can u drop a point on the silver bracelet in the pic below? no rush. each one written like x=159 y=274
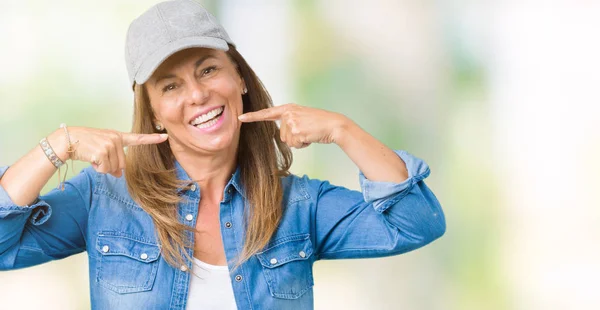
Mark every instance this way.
x=54 y=159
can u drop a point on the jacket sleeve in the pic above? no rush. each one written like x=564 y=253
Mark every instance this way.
x=385 y=219
x=52 y=227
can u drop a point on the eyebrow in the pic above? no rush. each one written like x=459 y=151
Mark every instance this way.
x=198 y=64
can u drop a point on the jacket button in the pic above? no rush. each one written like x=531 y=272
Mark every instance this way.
x=144 y=256
x=273 y=261
x=105 y=248
x=189 y=217
x=238 y=278
x=228 y=224
x=183 y=268
x=193 y=187
x=229 y=190
x=302 y=254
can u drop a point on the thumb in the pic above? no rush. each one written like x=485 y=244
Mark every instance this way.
x=140 y=139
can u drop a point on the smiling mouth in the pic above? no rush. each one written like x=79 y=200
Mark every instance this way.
x=208 y=119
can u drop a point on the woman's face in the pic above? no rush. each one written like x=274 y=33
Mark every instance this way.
x=196 y=95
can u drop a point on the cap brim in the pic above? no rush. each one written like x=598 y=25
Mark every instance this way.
x=153 y=61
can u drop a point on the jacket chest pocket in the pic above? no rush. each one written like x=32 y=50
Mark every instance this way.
x=287 y=266
x=126 y=265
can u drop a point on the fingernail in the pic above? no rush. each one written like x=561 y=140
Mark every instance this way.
x=242 y=117
x=164 y=135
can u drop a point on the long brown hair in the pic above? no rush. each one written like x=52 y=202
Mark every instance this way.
x=262 y=157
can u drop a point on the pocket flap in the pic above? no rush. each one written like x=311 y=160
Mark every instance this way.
x=287 y=249
x=126 y=246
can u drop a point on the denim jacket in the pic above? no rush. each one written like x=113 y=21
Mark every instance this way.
x=95 y=213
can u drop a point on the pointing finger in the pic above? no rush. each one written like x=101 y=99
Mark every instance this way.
x=140 y=139
x=269 y=114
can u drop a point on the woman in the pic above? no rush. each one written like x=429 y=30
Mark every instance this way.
x=202 y=213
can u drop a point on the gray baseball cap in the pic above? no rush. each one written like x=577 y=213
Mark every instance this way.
x=166 y=28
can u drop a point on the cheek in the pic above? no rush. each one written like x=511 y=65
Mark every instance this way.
x=225 y=86
x=168 y=111
x=237 y=108
x=228 y=89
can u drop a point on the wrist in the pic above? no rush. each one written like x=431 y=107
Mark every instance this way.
x=60 y=145
x=343 y=131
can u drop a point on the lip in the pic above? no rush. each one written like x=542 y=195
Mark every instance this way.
x=214 y=127
x=204 y=111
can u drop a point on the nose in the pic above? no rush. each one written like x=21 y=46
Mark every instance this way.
x=197 y=94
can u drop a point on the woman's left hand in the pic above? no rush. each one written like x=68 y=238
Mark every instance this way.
x=300 y=126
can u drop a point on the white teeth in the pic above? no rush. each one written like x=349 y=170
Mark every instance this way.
x=205 y=117
x=208 y=124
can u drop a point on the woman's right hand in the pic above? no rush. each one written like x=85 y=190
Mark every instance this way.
x=101 y=147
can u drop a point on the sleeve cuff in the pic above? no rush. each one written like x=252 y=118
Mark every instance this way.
x=38 y=212
x=384 y=194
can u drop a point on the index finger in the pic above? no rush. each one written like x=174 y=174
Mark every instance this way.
x=140 y=139
x=268 y=114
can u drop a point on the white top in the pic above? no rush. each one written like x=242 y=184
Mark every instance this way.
x=210 y=287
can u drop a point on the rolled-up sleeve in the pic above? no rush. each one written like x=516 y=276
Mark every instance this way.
x=31 y=235
x=421 y=216
x=380 y=194
x=37 y=213
x=383 y=219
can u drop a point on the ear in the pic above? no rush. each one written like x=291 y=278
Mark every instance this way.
x=243 y=86
x=155 y=121
x=158 y=125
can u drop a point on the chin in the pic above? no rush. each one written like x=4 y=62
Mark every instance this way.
x=218 y=143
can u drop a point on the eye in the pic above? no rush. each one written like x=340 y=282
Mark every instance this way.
x=169 y=87
x=209 y=70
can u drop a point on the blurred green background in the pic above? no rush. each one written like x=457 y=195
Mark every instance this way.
x=499 y=98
